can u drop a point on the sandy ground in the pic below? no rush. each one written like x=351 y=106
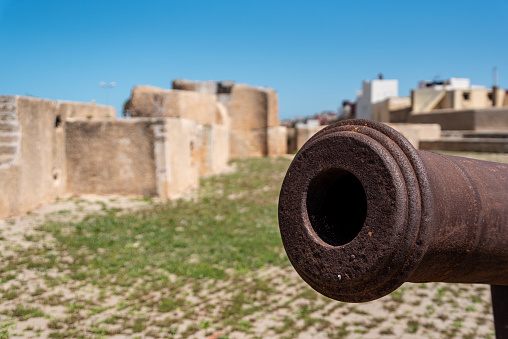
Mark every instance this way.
x=271 y=303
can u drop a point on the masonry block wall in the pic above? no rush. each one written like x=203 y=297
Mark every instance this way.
x=254 y=115
x=50 y=149
x=480 y=119
x=111 y=157
x=149 y=101
x=160 y=157
x=33 y=169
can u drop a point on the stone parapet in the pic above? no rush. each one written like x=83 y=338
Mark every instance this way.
x=111 y=157
x=151 y=102
x=304 y=133
x=253 y=111
x=415 y=133
x=33 y=164
x=481 y=119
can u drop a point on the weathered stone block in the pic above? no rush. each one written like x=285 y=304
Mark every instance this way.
x=148 y=101
x=82 y=110
x=111 y=157
x=304 y=133
x=277 y=141
x=416 y=132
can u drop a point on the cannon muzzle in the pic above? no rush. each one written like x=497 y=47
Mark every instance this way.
x=361 y=211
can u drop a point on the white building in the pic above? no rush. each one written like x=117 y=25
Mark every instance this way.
x=374 y=91
x=450 y=84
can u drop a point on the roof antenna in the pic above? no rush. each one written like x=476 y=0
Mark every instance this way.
x=494 y=88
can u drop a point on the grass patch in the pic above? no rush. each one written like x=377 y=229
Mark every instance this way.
x=231 y=228
x=26 y=312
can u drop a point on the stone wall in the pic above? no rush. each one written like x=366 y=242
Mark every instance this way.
x=277 y=141
x=484 y=119
x=32 y=143
x=212 y=151
x=382 y=110
x=414 y=133
x=111 y=157
x=148 y=102
x=50 y=149
x=304 y=133
x=149 y=157
x=69 y=109
x=291 y=140
x=253 y=112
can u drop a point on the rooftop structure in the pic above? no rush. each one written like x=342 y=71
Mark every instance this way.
x=455 y=94
x=372 y=92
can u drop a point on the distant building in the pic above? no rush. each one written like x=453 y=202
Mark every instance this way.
x=391 y=109
x=454 y=94
x=452 y=83
x=372 y=92
x=457 y=105
x=347 y=110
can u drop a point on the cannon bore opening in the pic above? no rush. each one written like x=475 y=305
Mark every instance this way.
x=336 y=206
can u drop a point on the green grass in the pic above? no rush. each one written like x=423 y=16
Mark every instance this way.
x=24 y=312
x=232 y=228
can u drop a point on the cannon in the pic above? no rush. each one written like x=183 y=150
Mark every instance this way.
x=361 y=211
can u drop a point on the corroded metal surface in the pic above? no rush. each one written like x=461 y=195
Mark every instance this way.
x=361 y=212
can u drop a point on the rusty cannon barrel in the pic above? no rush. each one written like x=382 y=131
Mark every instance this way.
x=361 y=211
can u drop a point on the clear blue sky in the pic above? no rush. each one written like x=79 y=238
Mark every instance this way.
x=314 y=53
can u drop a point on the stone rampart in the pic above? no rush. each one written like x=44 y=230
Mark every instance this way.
x=305 y=132
x=149 y=101
x=111 y=157
x=160 y=157
x=50 y=149
x=33 y=169
x=481 y=119
x=254 y=115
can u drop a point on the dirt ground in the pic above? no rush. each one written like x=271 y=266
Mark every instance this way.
x=270 y=303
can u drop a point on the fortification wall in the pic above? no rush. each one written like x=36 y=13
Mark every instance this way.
x=111 y=157
x=212 y=151
x=68 y=109
x=277 y=140
x=49 y=149
x=304 y=133
x=481 y=119
x=254 y=115
x=32 y=148
x=149 y=101
x=148 y=157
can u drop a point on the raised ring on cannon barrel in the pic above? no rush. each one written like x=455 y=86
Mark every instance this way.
x=361 y=211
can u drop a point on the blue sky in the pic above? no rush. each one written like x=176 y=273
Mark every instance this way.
x=314 y=53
